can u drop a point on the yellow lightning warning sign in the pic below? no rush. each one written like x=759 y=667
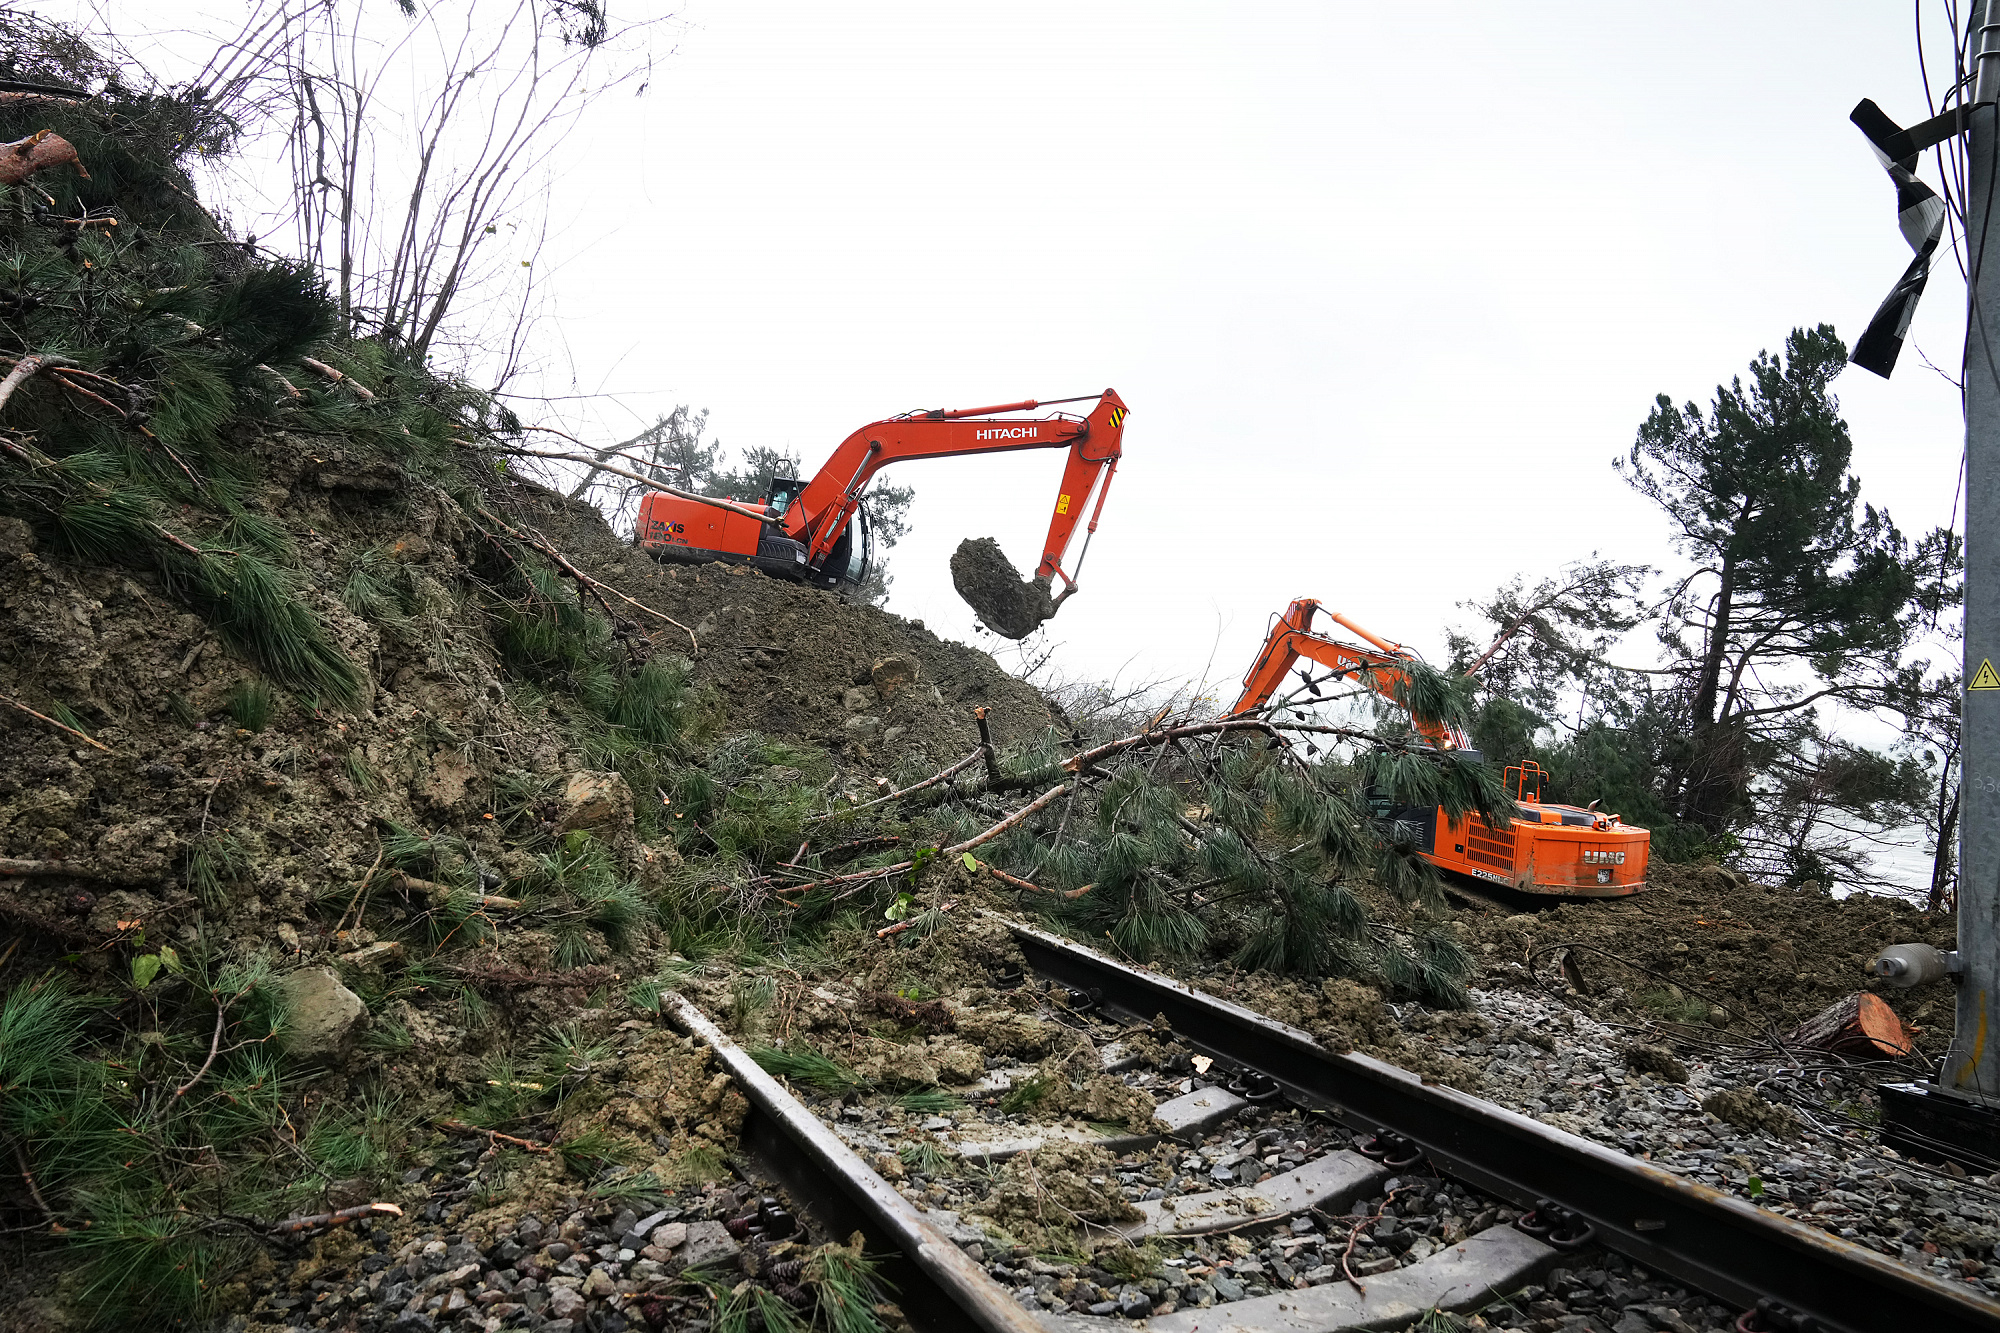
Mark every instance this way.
x=1986 y=678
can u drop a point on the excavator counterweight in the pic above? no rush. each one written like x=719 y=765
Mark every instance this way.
x=1546 y=848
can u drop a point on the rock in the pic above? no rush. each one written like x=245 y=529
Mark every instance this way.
x=708 y=1243
x=1744 y=1109
x=320 y=1013
x=1226 y=1288
x=1633 y=1322
x=599 y=1283
x=671 y=1235
x=565 y=1302
x=858 y=699
x=597 y=801
x=373 y=958
x=864 y=728
x=892 y=674
x=1655 y=1060
x=635 y=1234
x=1135 y=1307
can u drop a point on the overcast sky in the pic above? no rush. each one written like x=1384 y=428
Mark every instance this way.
x=1386 y=287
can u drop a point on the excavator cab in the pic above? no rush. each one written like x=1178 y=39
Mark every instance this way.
x=784 y=490
x=1526 y=780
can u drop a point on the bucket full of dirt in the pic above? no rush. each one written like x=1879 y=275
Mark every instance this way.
x=1009 y=605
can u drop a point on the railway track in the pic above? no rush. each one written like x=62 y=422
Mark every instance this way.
x=1791 y=1278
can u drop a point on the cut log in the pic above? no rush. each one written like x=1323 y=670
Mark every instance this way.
x=37 y=152
x=1862 y=1025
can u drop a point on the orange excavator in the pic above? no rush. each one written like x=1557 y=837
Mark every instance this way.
x=1548 y=847
x=817 y=531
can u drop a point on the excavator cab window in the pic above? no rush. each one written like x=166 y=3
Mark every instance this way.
x=861 y=546
x=784 y=490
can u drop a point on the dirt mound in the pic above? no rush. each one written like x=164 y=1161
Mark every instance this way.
x=799 y=663
x=1009 y=605
x=1705 y=945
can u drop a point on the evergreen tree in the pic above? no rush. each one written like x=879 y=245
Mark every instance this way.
x=1799 y=591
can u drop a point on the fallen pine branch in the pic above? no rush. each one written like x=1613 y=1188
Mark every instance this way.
x=932 y=781
x=460 y=1127
x=955 y=849
x=744 y=510
x=321 y=368
x=8 y=699
x=35 y=458
x=25 y=369
x=291 y=389
x=293 y=1226
x=986 y=746
x=1020 y=883
x=584 y=580
x=214 y=1045
x=38 y=152
x=430 y=888
x=15 y=867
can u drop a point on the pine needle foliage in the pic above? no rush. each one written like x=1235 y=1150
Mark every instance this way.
x=154 y=1142
x=806 y=1066
x=1246 y=847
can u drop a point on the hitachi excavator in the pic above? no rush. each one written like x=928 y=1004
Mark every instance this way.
x=1549 y=848
x=817 y=531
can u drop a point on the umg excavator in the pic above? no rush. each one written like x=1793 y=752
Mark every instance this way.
x=817 y=531
x=1547 y=848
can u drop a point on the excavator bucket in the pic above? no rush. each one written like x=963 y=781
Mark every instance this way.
x=1007 y=604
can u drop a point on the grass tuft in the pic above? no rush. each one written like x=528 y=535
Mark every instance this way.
x=252 y=704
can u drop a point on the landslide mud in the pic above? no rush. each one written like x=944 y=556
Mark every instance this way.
x=1707 y=947
x=1007 y=604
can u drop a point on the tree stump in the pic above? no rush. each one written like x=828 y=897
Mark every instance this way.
x=1863 y=1024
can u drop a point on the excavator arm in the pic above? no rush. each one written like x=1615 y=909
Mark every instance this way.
x=1380 y=667
x=825 y=504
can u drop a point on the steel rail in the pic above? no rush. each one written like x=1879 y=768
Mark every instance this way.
x=1713 y=1241
x=934 y=1282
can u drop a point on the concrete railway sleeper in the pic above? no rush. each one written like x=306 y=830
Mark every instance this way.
x=939 y=1285
x=1577 y=1195
x=1784 y=1275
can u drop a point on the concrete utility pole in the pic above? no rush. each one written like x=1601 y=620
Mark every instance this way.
x=1972 y=1065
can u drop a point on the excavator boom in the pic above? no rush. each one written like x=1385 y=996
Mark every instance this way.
x=1381 y=670
x=810 y=530
x=1546 y=848
x=829 y=500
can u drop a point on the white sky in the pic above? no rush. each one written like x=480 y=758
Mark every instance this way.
x=1386 y=287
